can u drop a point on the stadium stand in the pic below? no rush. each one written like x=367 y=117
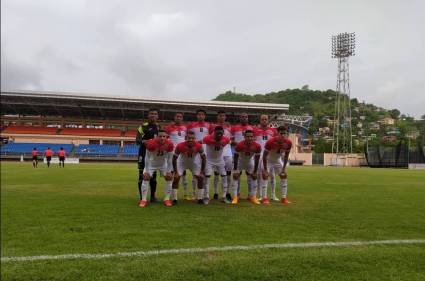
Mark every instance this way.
x=97 y=149
x=130 y=149
x=91 y=132
x=131 y=133
x=30 y=130
x=22 y=148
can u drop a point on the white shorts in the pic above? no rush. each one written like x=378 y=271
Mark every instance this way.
x=162 y=170
x=275 y=167
x=228 y=163
x=193 y=166
x=245 y=166
x=219 y=167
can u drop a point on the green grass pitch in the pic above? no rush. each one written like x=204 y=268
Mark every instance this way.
x=92 y=208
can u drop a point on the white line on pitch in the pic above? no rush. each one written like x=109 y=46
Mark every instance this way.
x=212 y=249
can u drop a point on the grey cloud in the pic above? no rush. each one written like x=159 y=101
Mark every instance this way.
x=197 y=49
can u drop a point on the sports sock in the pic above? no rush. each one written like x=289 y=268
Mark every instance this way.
x=216 y=179
x=273 y=184
x=284 y=187
x=168 y=188
x=145 y=190
x=207 y=187
x=235 y=187
x=223 y=186
x=174 y=193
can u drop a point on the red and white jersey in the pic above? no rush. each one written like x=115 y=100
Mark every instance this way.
x=201 y=129
x=227 y=128
x=262 y=135
x=276 y=148
x=247 y=151
x=158 y=155
x=188 y=151
x=238 y=131
x=214 y=149
x=176 y=133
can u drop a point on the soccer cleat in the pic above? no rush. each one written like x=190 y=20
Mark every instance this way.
x=168 y=203
x=285 y=201
x=229 y=197
x=215 y=196
x=200 y=202
x=174 y=202
x=265 y=201
x=143 y=203
x=206 y=201
x=275 y=198
x=254 y=200
x=235 y=200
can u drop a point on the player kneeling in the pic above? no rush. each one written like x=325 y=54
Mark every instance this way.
x=159 y=154
x=247 y=155
x=274 y=149
x=189 y=155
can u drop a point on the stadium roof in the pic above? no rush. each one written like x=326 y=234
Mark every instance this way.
x=118 y=107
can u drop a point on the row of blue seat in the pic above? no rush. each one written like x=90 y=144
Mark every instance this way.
x=82 y=149
x=28 y=147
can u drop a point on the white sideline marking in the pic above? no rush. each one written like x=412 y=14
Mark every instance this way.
x=212 y=249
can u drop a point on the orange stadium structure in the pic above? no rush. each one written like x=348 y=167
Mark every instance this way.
x=98 y=127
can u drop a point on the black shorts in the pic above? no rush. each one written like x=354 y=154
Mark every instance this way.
x=48 y=158
x=62 y=158
x=35 y=158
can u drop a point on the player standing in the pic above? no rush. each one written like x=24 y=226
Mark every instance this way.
x=200 y=128
x=147 y=131
x=61 y=154
x=159 y=154
x=247 y=156
x=34 y=157
x=177 y=133
x=48 y=154
x=272 y=158
x=262 y=134
x=227 y=153
x=189 y=155
x=215 y=144
x=238 y=131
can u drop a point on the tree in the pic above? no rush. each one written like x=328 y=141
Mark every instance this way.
x=394 y=113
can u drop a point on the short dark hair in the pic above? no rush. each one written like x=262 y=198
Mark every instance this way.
x=282 y=128
x=61 y=148
x=190 y=133
x=160 y=130
x=248 y=132
x=201 y=110
x=218 y=128
x=220 y=112
x=178 y=113
x=35 y=148
x=153 y=109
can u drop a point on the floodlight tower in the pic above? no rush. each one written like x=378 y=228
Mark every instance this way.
x=343 y=46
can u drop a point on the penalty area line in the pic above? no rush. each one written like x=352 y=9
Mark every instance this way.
x=212 y=249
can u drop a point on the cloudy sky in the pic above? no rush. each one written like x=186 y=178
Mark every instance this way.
x=198 y=49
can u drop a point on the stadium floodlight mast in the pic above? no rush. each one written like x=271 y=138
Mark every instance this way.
x=343 y=46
